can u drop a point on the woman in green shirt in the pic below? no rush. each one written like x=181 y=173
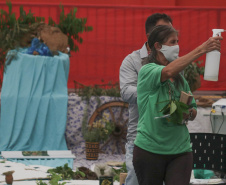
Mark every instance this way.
x=162 y=149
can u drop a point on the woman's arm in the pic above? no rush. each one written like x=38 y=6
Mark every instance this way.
x=178 y=65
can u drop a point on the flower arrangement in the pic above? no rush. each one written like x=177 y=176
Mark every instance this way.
x=99 y=131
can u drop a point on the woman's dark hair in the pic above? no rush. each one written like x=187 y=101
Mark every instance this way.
x=160 y=34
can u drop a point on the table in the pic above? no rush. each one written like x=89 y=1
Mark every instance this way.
x=202 y=122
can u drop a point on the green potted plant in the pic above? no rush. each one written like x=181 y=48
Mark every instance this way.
x=95 y=133
x=192 y=74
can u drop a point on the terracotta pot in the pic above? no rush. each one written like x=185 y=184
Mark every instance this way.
x=122 y=178
x=92 y=150
x=9 y=179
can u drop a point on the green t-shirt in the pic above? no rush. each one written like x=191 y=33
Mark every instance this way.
x=159 y=135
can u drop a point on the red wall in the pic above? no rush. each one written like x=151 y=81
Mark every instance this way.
x=200 y=3
x=197 y=3
x=119 y=30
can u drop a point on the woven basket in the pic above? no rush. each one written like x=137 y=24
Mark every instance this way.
x=92 y=150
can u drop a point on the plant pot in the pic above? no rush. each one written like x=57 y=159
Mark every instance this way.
x=106 y=180
x=92 y=150
x=122 y=178
x=9 y=179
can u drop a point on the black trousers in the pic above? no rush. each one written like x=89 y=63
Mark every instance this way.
x=153 y=169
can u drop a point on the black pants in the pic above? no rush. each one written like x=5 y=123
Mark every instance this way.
x=153 y=169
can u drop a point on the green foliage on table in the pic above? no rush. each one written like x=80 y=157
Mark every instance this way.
x=80 y=173
x=65 y=172
x=55 y=178
x=118 y=171
x=41 y=183
x=35 y=153
x=17 y=32
x=191 y=72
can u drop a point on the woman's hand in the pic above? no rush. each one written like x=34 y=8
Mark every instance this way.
x=191 y=116
x=213 y=43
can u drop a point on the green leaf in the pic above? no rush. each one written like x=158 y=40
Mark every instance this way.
x=183 y=107
x=82 y=173
x=173 y=107
x=10 y=6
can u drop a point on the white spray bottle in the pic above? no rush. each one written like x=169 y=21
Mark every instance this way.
x=213 y=61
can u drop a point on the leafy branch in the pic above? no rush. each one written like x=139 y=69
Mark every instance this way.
x=71 y=26
x=175 y=109
x=19 y=32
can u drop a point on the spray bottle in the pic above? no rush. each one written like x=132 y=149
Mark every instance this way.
x=213 y=61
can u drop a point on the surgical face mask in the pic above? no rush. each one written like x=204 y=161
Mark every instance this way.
x=170 y=52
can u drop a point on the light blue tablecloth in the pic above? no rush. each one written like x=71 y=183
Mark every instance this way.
x=34 y=103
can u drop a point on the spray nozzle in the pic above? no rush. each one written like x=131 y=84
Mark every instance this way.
x=217 y=32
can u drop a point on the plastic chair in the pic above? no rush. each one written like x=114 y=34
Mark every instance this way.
x=209 y=152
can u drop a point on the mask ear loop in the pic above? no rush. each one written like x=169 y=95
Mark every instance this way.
x=148 y=48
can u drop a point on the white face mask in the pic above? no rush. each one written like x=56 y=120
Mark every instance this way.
x=170 y=52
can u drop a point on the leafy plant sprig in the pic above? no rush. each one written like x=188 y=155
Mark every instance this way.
x=80 y=173
x=65 y=172
x=70 y=25
x=55 y=178
x=175 y=109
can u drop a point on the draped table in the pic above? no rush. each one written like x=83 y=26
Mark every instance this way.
x=34 y=105
x=34 y=102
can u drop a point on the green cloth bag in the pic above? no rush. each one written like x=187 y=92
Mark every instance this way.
x=203 y=174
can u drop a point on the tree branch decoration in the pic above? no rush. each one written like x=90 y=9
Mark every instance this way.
x=19 y=32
